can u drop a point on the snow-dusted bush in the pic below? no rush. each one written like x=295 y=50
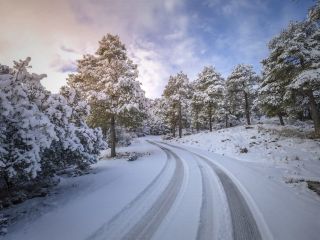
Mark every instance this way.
x=25 y=131
x=123 y=137
x=40 y=132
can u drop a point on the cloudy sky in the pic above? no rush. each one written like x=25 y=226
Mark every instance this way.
x=162 y=36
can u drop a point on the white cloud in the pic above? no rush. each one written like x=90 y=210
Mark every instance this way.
x=69 y=28
x=63 y=65
x=153 y=71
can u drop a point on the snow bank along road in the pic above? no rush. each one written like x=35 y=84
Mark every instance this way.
x=175 y=193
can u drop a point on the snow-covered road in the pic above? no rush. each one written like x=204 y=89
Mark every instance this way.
x=243 y=223
x=280 y=211
x=141 y=222
x=176 y=192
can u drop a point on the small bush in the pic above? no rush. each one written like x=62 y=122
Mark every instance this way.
x=243 y=150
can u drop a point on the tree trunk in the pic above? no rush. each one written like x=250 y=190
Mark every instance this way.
x=247 y=108
x=180 y=121
x=314 y=113
x=105 y=132
x=113 y=136
x=197 y=122
x=8 y=184
x=281 y=119
x=210 y=118
x=174 y=130
x=227 y=120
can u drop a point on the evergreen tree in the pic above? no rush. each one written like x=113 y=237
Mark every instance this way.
x=314 y=12
x=241 y=87
x=197 y=105
x=108 y=81
x=155 y=122
x=90 y=140
x=294 y=63
x=208 y=94
x=176 y=94
x=25 y=131
x=226 y=112
x=169 y=114
x=73 y=146
x=40 y=132
x=271 y=94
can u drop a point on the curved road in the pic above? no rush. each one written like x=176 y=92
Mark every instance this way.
x=172 y=194
x=136 y=221
x=243 y=222
x=149 y=221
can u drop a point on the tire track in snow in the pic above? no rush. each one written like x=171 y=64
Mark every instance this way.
x=119 y=223
x=150 y=221
x=243 y=222
x=214 y=220
x=114 y=221
x=217 y=218
x=206 y=226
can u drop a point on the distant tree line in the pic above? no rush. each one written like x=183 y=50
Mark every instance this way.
x=288 y=87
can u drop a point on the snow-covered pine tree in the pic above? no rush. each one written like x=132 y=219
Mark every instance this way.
x=295 y=63
x=90 y=139
x=197 y=104
x=241 y=87
x=107 y=80
x=271 y=93
x=169 y=114
x=154 y=124
x=208 y=94
x=225 y=112
x=40 y=132
x=314 y=12
x=63 y=150
x=25 y=131
x=307 y=80
x=73 y=146
x=176 y=95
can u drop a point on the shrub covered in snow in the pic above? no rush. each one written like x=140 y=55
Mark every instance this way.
x=41 y=133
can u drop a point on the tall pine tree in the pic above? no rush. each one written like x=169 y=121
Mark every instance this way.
x=294 y=66
x=107 y=80
x=176 y=93
x=208 y=94
x=241 y=87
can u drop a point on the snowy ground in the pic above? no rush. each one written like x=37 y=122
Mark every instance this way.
x=80 y=205
x=182 y=193
x=284 y=148
x=280 y=211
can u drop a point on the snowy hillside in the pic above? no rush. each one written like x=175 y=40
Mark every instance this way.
x=283 y=147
